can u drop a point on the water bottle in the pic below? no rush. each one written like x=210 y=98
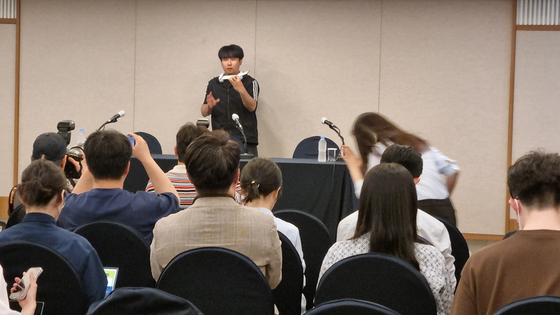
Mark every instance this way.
x=322 y=149
x=81 y=138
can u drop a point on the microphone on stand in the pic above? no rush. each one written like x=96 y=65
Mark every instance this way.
x=112 y=119
x=116 y=116
x=239 y=127
x=325 y=121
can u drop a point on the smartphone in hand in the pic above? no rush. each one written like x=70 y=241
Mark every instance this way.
x=132 y=141
x=21 y=290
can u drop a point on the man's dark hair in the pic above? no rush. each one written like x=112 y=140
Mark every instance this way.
x=406 y=156
x=231 y=51
x=107 y=153
x=534 y=179
x=186 y=134
x=212 y=161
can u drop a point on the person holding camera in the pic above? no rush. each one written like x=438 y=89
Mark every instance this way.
x=51 y=147
x=99 y=194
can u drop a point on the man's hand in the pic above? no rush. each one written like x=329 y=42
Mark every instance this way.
x=237 y=84
x=76 y=164
x=140 y=149
x=248 y=101
x=211 y=101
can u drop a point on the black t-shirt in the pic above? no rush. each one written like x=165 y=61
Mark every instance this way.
x=230 y=103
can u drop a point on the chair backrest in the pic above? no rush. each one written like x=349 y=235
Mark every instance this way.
x=218 y=281
x=459 y=247
x=378 y=278
x=537 y=305
x=308 y=148
x=142 y=301
x=59 y=289
x=153 y=143
x=120 y=246
x=315 y=242
x=351 y=306
x=17 y=216
x=287 y=295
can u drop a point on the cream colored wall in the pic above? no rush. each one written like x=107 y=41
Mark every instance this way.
x=437 y=68
x=445 y=77
x=537 y=92
x=77 y=62
x=7 y=100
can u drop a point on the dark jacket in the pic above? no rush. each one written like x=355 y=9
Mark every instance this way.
x=231 y=103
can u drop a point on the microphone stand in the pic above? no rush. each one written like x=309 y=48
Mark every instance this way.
x=335 y=128
x=244 y=155
x=107 y=122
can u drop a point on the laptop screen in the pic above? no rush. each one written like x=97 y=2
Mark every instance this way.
x=111 y=273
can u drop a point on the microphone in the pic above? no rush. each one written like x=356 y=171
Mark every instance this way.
x=116 y=116
x=112 y=120
x=235 y=118
x=329 y=123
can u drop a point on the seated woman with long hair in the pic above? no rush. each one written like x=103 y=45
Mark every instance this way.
x=387 y=224
x=375 y=133
x=261 y=184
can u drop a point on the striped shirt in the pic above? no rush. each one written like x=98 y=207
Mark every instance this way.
x=185 y=189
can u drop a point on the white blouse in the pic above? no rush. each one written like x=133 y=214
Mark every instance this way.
x=431 y=261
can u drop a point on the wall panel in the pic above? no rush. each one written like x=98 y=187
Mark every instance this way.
x=177 y=54
x=315 y=59
x=77 y=62
x=7 y=101
x=445 y=77
x=537 y=91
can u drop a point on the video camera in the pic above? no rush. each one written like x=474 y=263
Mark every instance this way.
x=65 y=128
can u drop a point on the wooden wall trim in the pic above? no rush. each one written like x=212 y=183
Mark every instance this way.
x=16 y=102
x=510 y=113
x=8 y=21
x=483 y=237
x=537 y=27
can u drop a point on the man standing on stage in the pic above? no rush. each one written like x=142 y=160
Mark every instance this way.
x=233 y=92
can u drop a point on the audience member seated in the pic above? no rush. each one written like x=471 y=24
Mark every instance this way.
x=215 y=219
x=99 y=194
x=42 y=192
x=525 y=264
x=261 y=185
x=387 y=224
x=28 y=304
x=178 y=175
x=429 y=228
x=52 y=147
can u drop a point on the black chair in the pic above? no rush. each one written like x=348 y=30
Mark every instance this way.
x=509 y=234
x=287 y=295
x=153 y=143
x=308 y=148
x=350 y=306
x=315 y=242
x=218 y=281
x=16 y=217
x=142 y=301
x=59 y=289
x=537 y=305
x=121 y=246
x=459 y=247
x=378 y=278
